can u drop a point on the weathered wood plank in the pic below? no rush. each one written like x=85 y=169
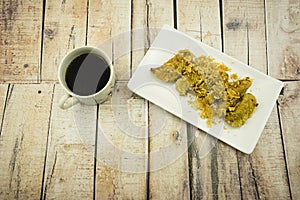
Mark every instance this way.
x=139 y=41
x=158 y=14
x=69 y=170
x=256 y=35
x=122 y=146
x=213 y=168
x=263 y=174
x=64 y=30
x=236 y=26
x=109 y=28
x=200 y=170
x=235 y=30
x=214 y=175
x=256 y=180
x=289 y=115
x=3 y=94
x=20 y=38
x=242 y=28
x=244 y=32
x=23 y=141
x=168 y=155
x=111 y=32
x=200 y=19
x=283 y=38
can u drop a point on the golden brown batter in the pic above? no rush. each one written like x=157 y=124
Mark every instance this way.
x=216 y=93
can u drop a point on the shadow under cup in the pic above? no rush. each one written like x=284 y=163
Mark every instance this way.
x=87 y=76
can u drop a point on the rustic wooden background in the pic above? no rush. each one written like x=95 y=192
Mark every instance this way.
x=41 y=154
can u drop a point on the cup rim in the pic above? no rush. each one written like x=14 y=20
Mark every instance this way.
x=92 y=49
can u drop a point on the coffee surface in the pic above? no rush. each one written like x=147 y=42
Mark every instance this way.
x=87 y=74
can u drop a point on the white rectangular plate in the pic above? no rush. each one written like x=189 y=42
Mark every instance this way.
x=167 y=43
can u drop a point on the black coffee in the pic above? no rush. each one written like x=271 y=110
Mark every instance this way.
x=87 y=74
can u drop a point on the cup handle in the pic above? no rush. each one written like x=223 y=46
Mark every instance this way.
x=67 y=101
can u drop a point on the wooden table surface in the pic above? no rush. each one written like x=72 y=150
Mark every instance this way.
x=91 y=152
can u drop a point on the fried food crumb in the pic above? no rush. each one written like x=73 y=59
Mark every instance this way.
x=234 y=76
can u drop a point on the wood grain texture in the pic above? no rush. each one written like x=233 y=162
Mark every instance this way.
x=289 y=115
x=168 y=156
x=214 y=175
x=256 y=35
x=122 y=146
x=64 y=30
x=263 y=174
x=245 y=36
x=283 y=38
x=227 y=173
x=254 y=172
x=139 y=40
x=167 y=133
x=198 y=19
x=202 y=166
x=109 y=28
x=3 y=95
x=235 y=29
x=158 y=13
x=244 y=32
x=69 y=170
x=20 y=38
x=168 y=167
x=23 y=141
x=201 y=20
x=253 y=177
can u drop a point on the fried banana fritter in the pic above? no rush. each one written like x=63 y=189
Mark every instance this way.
x=217 y=93
x=236 y=90
x=242 y=112
x=182 y=86
x=165 y=73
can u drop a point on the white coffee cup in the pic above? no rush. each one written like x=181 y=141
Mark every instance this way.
x=71 y=98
